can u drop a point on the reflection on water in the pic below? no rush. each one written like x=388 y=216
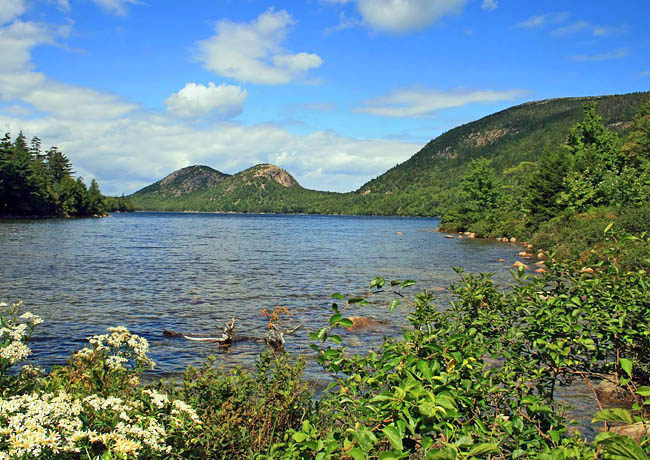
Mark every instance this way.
x=192 y=272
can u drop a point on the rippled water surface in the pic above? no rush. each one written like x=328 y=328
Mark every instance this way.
x=192 y=272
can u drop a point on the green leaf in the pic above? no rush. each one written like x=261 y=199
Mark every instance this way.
x=336 y=339
x=334 y=319
x=626 y=365
x=388 y=456
x=407 y=283
x=484 y=448
x=393 y=436
x=346 y=323
x=356 y=300
x=609 y=227
x=620 y=447
x=338 y=296
x=299 y=437
x=643 y=391
x=393 y=305
x=613 y=415
x=378 y=282
x=357 y=454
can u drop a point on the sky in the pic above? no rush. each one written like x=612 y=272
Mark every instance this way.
x=334 y=91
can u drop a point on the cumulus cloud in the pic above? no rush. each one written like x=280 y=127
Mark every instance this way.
x=616 y=54
x=401 y=16
x=489 y=5
x=252 y=52
x=196 y=100
x=421 y=102
x=11 y=9
x=118 y=7
x=126 y=147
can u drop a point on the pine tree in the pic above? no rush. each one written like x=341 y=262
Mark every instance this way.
x=58 y=165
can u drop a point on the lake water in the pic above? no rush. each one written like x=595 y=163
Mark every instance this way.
x=192 y=272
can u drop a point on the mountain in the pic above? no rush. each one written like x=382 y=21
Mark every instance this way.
x=426 y=184
x=261 y=188
x=183 y=182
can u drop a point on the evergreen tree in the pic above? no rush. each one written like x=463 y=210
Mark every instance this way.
x=546 y=185
x=95 y=200
x=58 y=165
x=480 y=188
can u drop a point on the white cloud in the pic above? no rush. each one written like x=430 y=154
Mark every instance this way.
x=118 y=7
x=543 y=19
x=72 y=102
x=490 y=5
x=64 y=5
x=16 y=41
x=645 y=73
x=253 y=52
x=401 y=16
x=616 y=54
x=345 y=22
x=420 y=102
x=126 y=147
x=11 y=9
x=195 y=101
x=17 y=110
x=570 y=29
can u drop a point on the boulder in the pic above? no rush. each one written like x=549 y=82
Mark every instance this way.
x=471 y=235
x=513 y=240
x=635 y=431
x=518 y=264
x=363 y=322
x=540 y=270
x=609 y=390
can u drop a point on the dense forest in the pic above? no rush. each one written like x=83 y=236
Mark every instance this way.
x=34 y=182
x=564 y=200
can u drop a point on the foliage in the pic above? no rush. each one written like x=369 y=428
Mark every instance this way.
x=244 y=413
x=33 y=183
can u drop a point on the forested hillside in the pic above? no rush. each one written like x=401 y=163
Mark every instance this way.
x=426 y=184
x=38 y=183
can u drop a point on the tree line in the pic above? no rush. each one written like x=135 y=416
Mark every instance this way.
x=34 y=182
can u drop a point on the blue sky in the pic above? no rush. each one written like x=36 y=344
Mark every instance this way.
x=334 y=91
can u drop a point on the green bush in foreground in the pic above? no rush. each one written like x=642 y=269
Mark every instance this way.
x=478 y=380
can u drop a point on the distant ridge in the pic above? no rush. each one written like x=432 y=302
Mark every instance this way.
x=424 y=185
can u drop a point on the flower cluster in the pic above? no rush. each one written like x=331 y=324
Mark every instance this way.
x=119 y=349
x=48 y=423
x=14 y=334
x=39 y=423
